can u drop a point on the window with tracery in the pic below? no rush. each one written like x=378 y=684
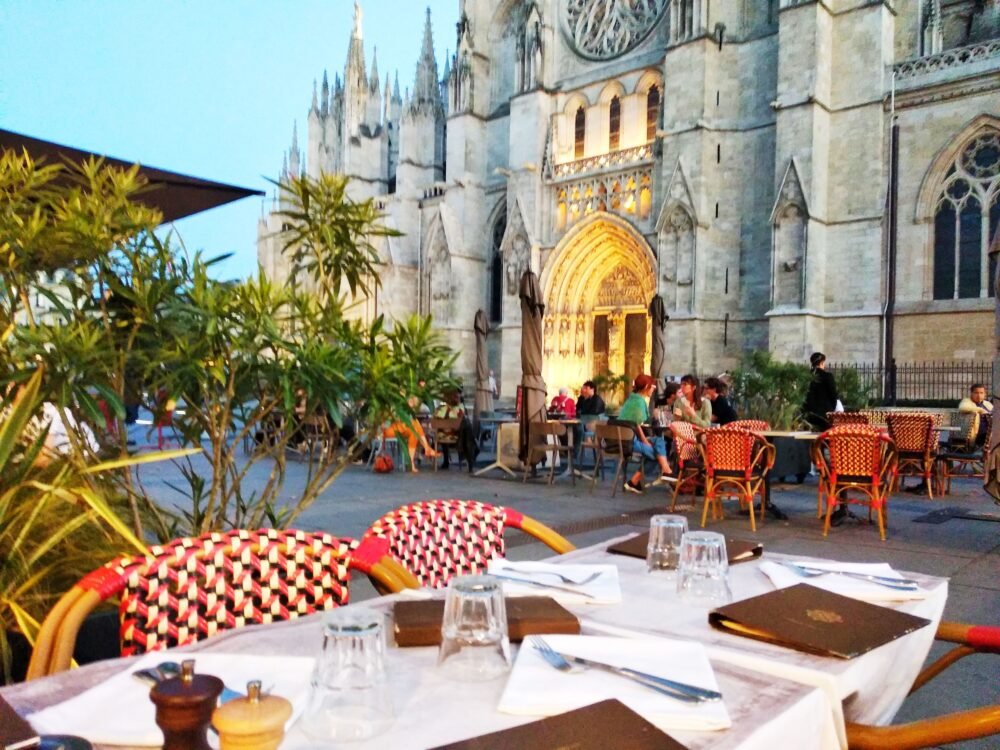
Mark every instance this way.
x=967 y=215
x=615 y=124
x=605 y=29
x=652 y=111
x=496 y=270
x=579 y=133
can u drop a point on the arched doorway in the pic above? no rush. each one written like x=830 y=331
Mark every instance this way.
x=597 y=284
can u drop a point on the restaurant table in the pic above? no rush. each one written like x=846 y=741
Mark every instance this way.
x=508 y=445
x=432 y=709
x=868 y=689
x=495 y=422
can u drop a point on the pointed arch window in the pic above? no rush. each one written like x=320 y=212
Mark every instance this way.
x=496 y=268
x=967 y=215
x=615 y=124
x=652 y=111
x=579 y=133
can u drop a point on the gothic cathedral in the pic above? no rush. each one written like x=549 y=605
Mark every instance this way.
x=737 y=157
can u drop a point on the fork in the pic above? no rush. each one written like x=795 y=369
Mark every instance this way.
x=564 y=578
x=902 y=584
x=677 y=690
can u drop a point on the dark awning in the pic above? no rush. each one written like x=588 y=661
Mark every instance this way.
x=176 y=195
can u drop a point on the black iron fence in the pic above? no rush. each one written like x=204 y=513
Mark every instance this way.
x=920 y=381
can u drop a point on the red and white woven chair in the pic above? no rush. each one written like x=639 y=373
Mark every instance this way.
x=438 y=539
x=195 y=587
x=736 y=465
x=860 y=459
x=837 y=418
x=688 y=466
x=754 y=425
x=916 y=446
x=949 y=728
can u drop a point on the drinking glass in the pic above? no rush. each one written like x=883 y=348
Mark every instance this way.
x=474 y=642
x=665 y=533
x=703 y=571
x=350 y=697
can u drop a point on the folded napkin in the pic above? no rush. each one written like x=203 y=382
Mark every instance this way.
x=119 y=711
x=605 y=589
x=536 y=688
x=869 y=591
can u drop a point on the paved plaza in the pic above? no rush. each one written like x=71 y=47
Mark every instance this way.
x=965 y=551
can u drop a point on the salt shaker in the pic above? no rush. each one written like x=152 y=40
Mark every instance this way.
x=184 y=708
x=253 y=723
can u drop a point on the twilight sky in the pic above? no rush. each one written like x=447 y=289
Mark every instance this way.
x=205 y=87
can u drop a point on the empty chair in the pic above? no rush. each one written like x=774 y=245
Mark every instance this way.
x=736 y=465
x=613 y=441
x=916 y=446
x=195 y=587
x=940 y=730
x=438 y=539
x=856 y=459
x=754 y=425
x=846 y=417
x=545 y=439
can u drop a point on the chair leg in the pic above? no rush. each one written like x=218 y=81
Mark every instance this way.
x=831 y=501
x=881 y=517
x=619 y=475
x=569 y=461
x=749 y=497
x=552 y=456
x=928 y=480
x=709 y=492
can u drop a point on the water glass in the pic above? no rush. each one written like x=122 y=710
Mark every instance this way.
x=665 y=533
x=350 y=697
x=703 y=571
x=474 y=642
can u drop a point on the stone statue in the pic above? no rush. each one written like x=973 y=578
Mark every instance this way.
x=564 y=333
x=581 y=336
x=548 y=334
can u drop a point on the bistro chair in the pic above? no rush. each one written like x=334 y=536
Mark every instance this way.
x=687 y=459
x=195 y=587
x=438 y=539
x=754 y=425
x=545 y=439
x=837 y=418
x=613 y=441
x=856 y=459
x=916 y=446
x=736 y=465
x=444 y=434
x=966 y=459
x=876 y=417
x=940 y=730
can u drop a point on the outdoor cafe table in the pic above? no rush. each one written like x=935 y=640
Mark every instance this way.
x=868 y=689
x=432 y=710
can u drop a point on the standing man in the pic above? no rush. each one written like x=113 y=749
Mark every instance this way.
x=821 y=398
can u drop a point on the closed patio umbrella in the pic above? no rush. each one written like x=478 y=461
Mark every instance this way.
x=657 y=361
x=532 y=385
x=991 y=473
x=484 y=396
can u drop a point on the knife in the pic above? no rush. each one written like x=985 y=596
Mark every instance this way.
x=701 y=694
x=544 y=585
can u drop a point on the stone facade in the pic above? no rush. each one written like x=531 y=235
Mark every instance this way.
x=732 y=156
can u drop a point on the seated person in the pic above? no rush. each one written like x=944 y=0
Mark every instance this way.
x=562 y=405
x=716 y=391
x=636 y=411
x=690 y=406
x=451 y=408
x=589 y=407
x=976 y=405
x=665 y=398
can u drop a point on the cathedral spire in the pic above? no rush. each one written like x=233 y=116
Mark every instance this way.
x=293 y=154
x=315 y=104
x=396 y=96
x=324 y=96
x=373 y=82
x=426 y=82
x=354 y=72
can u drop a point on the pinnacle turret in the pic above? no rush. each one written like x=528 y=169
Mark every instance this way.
x=324 y=96
x=315 y=103
x=426 y=84
x=373 y=82
x=396 y=96
x=354 y=71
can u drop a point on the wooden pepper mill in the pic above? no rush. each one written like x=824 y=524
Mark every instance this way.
x=184 y=708
x=252 y=723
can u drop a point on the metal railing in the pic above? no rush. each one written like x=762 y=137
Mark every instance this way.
x=920 y=381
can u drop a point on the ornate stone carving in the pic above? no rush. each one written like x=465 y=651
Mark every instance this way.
x=517 y=263
x=564 y=336
x=605 y=29
x=548 y=333
x=953 y=58
x=581 y=336
x=620 y=287
x=627 y=194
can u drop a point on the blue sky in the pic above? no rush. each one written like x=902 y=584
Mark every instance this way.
x=207 y=87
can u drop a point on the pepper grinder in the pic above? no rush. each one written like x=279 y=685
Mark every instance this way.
x=184 y=708
x=252 y=723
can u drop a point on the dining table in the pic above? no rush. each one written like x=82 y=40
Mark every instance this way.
x=772 y=694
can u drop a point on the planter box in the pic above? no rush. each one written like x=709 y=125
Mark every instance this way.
x=791 y=459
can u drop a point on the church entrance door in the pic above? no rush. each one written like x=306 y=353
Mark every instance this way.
x=601 y=362
x=635 y=345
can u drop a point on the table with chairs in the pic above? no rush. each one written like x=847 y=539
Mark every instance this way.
x=192 y=597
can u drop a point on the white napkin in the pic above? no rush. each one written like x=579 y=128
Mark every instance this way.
x=538 y=689
x=605 y=589
x=783 y=577
x=119 y=711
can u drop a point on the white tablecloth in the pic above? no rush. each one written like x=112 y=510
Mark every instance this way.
x=868 y=689
x=432 y=710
